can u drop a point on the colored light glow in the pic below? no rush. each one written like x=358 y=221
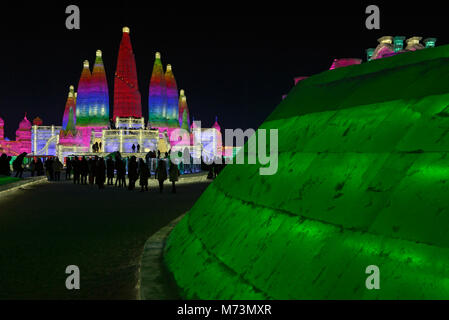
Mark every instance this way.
x=398 y=43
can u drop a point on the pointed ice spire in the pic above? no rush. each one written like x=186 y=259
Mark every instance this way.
x=183 y=106
x=193 y=125
x=185 y=122
x=71 y=124
x=99 y=109
x=83 y=100
x=216 y=125
x=127 y=101
x=157 y=99
x=70 y=104
x=172 y=98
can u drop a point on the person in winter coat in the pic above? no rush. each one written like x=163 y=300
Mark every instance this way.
x=68 y=170
x=144 y=173
x=17 y=165
x=76 y=163
x=161 y=174
x=57 y=168
x=132 y=173
x=110 y=171
x=121 y=173
x=174 y=174
x=84 y=170
x=100 y=176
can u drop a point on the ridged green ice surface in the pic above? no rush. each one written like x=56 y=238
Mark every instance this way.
x=363 y=180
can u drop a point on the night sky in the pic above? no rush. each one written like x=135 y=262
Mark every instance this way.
x=233 y=61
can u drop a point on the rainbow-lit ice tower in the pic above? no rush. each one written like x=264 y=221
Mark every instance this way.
x=182 y=106
x=157 y=98
x=92 y=101
x=83 y=102
x=127 y=100
x=172 y=98
x=99 y=108
x=84 y=98
x=70 y=104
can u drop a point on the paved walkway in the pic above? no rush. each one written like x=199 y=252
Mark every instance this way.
x=46 y=227
x=155 y=282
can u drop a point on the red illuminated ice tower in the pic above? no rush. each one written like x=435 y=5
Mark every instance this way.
x=127 y=102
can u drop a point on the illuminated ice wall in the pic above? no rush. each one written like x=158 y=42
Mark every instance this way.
x=157 y=99
x=44 y=139
x=362 y=180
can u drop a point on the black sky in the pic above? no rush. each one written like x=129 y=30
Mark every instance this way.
x=233 y=61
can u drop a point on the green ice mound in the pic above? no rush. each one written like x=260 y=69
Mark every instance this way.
x=363 y=180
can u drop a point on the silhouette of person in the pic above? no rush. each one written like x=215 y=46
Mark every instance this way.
x=144 y=173
x=100 y=173
x=138 y=148
x=68 y=170
x=110 y=171
x=92 y=168
x=49 y=168
x=76 y=163
x=57 y=168
x=121 y=172
x=17 y=165
x=33 y=167
x=174 y=174
x=133 y=148
x=5 y=169
x=132 y=173
x=161 y=174
x=84 y=170
x=39 y=167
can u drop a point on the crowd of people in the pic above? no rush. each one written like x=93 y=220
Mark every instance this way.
x=97 y=170
x=17 y=164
